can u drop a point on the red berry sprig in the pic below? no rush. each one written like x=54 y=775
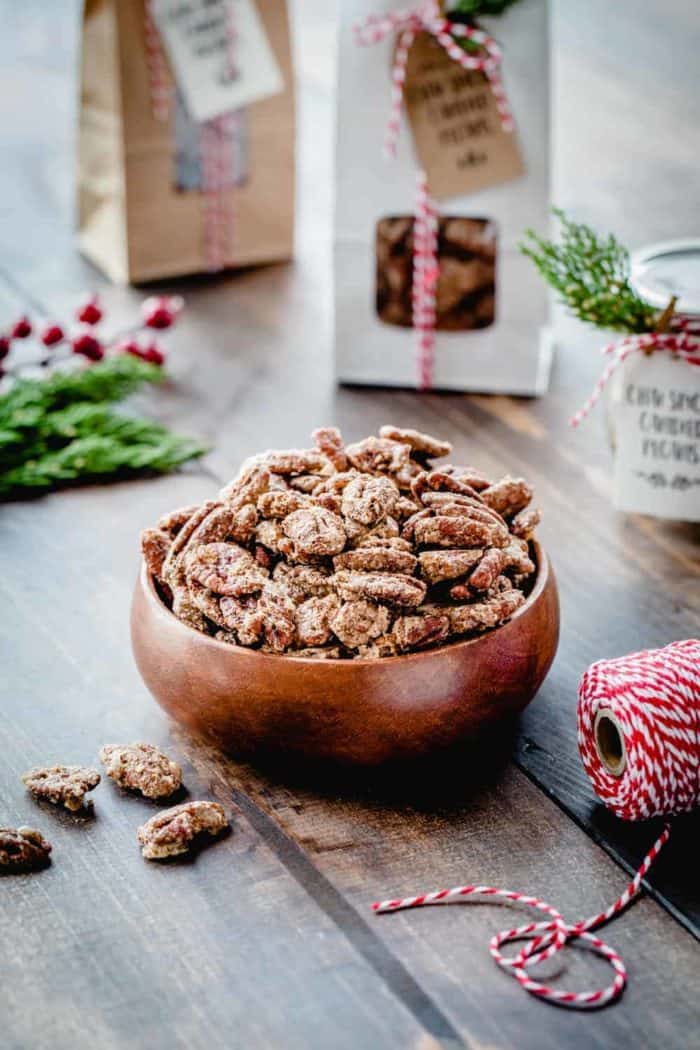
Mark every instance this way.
x=158 y=313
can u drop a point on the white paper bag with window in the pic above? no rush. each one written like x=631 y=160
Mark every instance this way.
x=491 y=315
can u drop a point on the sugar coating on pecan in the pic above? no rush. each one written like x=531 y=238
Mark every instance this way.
x=357 y=622
x=143 y=768
x=61 y=785
x=438 y=566
x=175 y=830
x=225 y=568
x=385 y=587
x=155 y=544
x=363 y=549
x=508 y=496
x=23 y=849
x=315 y=531
x=367 y=499
x=329 y=441
x=314 y=618
x=424 y=444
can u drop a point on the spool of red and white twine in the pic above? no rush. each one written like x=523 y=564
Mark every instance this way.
x=405 y=25
x=639 y=738
x=214 y=135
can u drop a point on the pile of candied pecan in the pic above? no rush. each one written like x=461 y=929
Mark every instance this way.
x=361 y=550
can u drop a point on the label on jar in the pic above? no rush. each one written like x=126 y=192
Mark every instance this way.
x=219 y=53
x=457 y=131
x=656 y=417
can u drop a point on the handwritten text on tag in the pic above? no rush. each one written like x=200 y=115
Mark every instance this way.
x=219 y=54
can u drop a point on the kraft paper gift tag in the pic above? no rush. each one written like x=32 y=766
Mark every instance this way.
x=656 y=418
x=457 y=131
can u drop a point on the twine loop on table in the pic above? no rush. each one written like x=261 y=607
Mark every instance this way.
x=683 y=341
x=427 y=17
x=652 y=698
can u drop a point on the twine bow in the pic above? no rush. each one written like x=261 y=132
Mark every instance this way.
x=427 y=17
x=681 y=339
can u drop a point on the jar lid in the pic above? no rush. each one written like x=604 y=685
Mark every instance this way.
x=669 y=268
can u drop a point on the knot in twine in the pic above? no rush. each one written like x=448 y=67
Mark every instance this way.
x=427 y=17
x=683 y=340
x=639 y=737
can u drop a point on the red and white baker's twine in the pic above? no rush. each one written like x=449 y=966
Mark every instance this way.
x=424 y=283
x=426 y=17
x=683 y=341
x=158 y=80
x=214 y=138
x=654 y=697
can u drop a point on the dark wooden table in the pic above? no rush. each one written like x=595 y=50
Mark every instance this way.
x=267 y=940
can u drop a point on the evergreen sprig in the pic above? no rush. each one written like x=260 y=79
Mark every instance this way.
x=591 y=275
x=474 y=8
x=62 y=429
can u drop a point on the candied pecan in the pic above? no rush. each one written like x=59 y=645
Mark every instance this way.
x=376 y=559
x=155 y=544
x=243 y=618
x=313 y=619
x=61 y=785
x=460 y=592
x=508 y=496
x=404 y=477
x=279 y=504
x=173 y=522
x=278 y=614
x=408 y=530
x=251 y=481
x=329 y=442
x=214 y=528
x=23 y=849
x=225 y=568
x=524 y=524
x=418 y=442
x=243 y=524
x=369 y=499
x=468 y=476
x=295 y=461
x=171 y=567
x=357 y=622
x=439 y=481
x=305 y=483
x=483 y=615
x=391 y=588
x=436 y=566
x=383 y=646
x=359 y=535
x=174 y=830
x=315 y=531
x=405 y=508
x=320 y=652
x=453 y=501
x=207 y=602
x=415 y=632
x=330 y=501
x=489 y=568
x=270 y=534
x=518 y=557
x=303 y=581
x=336 y=482
x=378 y=455
x=187 y=611
x=141 y=767
x=445 y=531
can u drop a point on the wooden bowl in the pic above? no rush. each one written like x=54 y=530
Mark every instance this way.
x=351 y=711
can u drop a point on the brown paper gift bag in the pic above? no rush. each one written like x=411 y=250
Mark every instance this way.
x=134 y=222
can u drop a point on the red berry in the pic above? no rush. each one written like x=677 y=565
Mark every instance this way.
x=160 y=311
x=4 y=347
x=153 y=354
x=88 y=346
x=89 y=312
x=21 y=328
x=52 y=334
x=130 y=346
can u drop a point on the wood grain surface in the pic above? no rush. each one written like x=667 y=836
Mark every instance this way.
x=266 y=939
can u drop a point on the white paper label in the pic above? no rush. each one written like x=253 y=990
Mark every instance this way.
x=656 y=418
x=215 y=73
